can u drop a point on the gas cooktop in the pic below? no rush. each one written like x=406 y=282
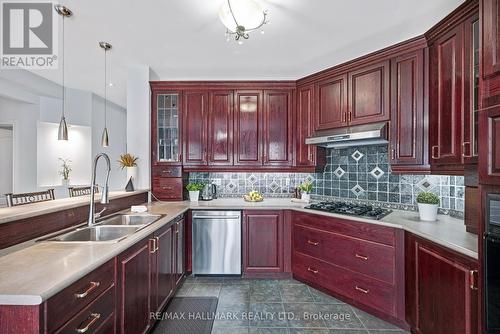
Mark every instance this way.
x=344 y=208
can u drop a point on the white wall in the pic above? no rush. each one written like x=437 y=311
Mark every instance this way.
x=138 y=120
x=24 y=117
x=6 y=162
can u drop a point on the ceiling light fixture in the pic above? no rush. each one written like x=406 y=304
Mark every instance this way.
x=62 y=133
x=242 y=17
x=105 y=137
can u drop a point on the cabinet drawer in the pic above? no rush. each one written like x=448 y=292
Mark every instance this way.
x=372 y=232
x=366 y=257
x=357 y=287
x=67 y=303
x=167 y=171
x=168 y=188
x=95 y=317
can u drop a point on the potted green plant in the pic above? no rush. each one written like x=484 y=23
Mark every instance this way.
x=428 y=206
x=65 y=170
x=129 y=163
x=306 y=188
x=194 y=189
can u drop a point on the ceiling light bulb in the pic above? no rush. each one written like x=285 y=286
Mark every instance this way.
x=262 y=32
x=240 y=42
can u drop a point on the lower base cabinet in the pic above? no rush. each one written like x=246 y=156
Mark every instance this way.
x=441 y=289
x=266 y=242
x=362 y=264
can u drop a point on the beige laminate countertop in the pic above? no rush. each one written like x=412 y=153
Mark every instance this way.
x=34 y=274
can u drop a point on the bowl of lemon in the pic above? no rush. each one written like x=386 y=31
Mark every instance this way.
x=253 y=196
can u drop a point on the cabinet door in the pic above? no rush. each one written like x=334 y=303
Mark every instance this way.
x=262 y=241
x=489 y=148
x=445 y=301
x=195 y=112
x=165 y=128
x=471 y=90
x=134 y=268
x=331 y=108
x=305 y=154
x=407 y=111
x=164 y=267
x=369 y=94
x=278 y=123
x=179 y=251
x=445 y=94
x=491 y=38
x=248 y=128
x=220 y=128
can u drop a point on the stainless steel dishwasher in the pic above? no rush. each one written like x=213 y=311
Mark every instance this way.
x=217 y=243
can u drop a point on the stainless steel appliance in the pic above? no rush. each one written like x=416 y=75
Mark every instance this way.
x=209 y=192
x=491 y=264
x=344 y=208
x=216 y=243
x=358 y=135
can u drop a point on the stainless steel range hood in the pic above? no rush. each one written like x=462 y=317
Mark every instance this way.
x=359 y=135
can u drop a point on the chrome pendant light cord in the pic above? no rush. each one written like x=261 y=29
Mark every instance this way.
x=63 y=65
x=105 y=88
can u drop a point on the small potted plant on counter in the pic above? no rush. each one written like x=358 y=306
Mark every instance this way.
x=428 y=206
x=65 y=170
x=194 y=189
x=129 y=162
x=306 y=188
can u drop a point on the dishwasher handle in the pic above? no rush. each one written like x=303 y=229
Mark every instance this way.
x=216 y=217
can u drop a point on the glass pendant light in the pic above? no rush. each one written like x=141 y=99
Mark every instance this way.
x=105 y=137
x=62 y=133
x=242 y=17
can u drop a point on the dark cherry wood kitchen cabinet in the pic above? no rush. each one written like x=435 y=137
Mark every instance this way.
x=195 y=116
x=453 y=91
x=179 y=268
x=441 y=289
x=331 y=103
x=162 y=277
x=263 y=243
x=489 y=148
x=490 y=52
x=409 y=117
x=248 y=129
x=369 y=94
x=220 y=128
x=306 y=155
x=278 y=128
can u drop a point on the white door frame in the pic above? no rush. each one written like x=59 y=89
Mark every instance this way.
x=13 y=124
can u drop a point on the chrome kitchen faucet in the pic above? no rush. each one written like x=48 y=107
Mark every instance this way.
x=104 y=196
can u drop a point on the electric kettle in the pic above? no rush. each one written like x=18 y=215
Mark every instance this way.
x=209 y=192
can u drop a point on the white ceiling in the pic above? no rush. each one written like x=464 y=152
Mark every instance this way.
x=184 y=39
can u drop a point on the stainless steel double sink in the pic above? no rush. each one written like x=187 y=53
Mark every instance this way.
x=112 y=229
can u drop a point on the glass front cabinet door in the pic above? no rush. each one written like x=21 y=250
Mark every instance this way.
x=167 y=128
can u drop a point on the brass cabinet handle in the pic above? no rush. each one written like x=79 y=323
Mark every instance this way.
x=464 y=144
x=361 y=257
x=314 y=243
x=153 y=248
x=393 y=154
x=93 y=319
x=314 y=271
x=438 y=155
x=157 y=243
x=472 y=274
x=366 y=291
x=92 y=287
x=350 y=116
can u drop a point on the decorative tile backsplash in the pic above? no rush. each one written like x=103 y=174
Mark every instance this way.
x=358 y=173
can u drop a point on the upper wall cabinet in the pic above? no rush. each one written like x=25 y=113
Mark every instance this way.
x=490 y=18
x=453 y=94
x=306 y=155
x=331 y=97
x=195 y=115
x=278 y=128
x=248 y=128
x=369 y=94
x=408 y=151
x=165 y=128
x=220 y=128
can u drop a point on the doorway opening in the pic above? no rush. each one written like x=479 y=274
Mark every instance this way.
x=6 y=162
